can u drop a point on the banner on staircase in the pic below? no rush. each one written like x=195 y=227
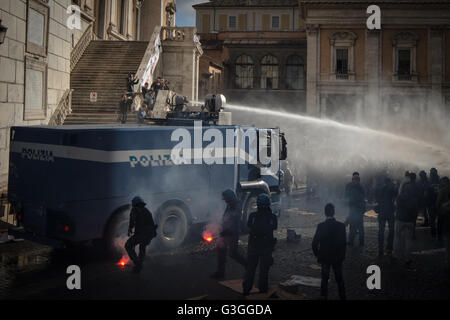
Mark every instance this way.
x=151 y=66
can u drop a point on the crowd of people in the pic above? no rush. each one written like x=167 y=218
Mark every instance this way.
x=149 y=95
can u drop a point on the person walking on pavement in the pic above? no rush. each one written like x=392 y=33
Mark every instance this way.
x=229 y=235
x=407 y=207
x=329 y=246
x=261 y=244
x=355 y=194
x=141 y=230
x=433 y=191
x=443 y=205
x=424 y=185
x=385 y=197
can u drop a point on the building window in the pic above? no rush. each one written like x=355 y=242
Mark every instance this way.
x=37 y=28
x=341 y=63
x=122 y=7
x=245 y=70
x=404 y=46
x=294 y=73
x=404 y=64
x=232 y=22
x=269 y=72
x=35 y=89
x=342 y=55
x=275 y=22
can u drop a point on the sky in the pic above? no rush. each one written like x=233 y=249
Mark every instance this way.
x=185 y=12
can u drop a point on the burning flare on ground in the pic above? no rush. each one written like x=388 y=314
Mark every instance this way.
x=208 y=237
x=123 y=262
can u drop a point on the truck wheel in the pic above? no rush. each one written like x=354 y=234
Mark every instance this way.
x=249 y=207
x=117 y=234
x=172 y=227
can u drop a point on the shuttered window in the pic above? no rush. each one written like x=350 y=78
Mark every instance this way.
x=243 y=22
x=222 y=22
x=285 y=22
x=266 y=22
x=206 y=23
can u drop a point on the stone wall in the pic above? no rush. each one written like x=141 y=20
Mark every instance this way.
x=13 y=53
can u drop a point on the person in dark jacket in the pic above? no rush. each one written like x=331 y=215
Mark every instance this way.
x=156 y=86
x=385 y=197
x=407 y=208
x=423 y=185
x=131 y=82
x=433 y=191
x=141 y=230
x=329 y=246
x=355 y=194
x=229 y=235
x=443 y=205
x=123 y=108
x=261 y=244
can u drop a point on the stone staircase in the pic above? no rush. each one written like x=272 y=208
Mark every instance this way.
x=103 y=68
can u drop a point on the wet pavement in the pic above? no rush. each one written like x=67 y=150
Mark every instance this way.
x=32 y=271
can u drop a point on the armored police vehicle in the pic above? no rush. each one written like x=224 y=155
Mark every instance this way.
x=75 y=183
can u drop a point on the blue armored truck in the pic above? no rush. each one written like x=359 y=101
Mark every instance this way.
x=74 y=184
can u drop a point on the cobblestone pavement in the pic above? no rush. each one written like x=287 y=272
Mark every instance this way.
x=29 y=270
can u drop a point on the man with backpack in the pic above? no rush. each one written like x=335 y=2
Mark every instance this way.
x=355 y=194
x=443 y=205
x=385 y=196
x=141 y=230
x=432 y=194
x=261 y=244
x=407 y=208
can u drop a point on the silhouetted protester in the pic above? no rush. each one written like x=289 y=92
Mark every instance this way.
x=156 y=86
x=123 y=108
x=405 y=180
x=229 y=235
x=131 y=82
x=443 y=205
x=355 y=194
x=433 y=191
x=407 y=208
x=141 y=230
x=261 y=244
x=288 y=182
x=385 y=196
x=329 y=246
x=423 y=185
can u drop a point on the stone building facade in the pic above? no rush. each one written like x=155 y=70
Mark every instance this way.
x=400 y=72
x=35 y=59
x=254 y=51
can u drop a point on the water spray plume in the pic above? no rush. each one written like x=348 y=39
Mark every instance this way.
x=325 y=145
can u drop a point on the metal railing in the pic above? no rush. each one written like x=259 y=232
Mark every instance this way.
x=81 y=46
x=63 y=109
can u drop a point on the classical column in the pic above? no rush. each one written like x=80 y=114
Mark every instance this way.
x=437 y=67
x=372 y=103
x=312 y=76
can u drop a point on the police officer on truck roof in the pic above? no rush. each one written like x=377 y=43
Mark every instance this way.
x=141 y=230
x=261 y=244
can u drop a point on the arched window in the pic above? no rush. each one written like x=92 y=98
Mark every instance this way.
x=294 y=73
x=245 y=69
x=269 y=72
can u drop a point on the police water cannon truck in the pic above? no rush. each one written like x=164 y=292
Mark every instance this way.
x=75 y=183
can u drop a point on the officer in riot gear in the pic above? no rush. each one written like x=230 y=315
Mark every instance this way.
x=141 y=230
x=261 y=244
